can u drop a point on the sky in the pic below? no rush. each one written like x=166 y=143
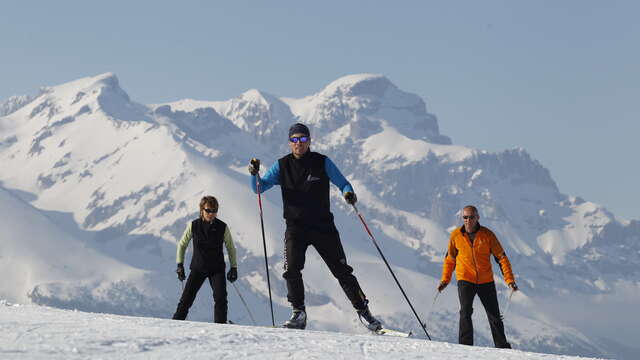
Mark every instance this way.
x=556 y=78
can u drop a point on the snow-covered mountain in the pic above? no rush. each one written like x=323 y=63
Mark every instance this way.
x=122 y=179
x=14 y=103
x=30 y=237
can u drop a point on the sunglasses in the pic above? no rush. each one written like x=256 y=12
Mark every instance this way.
x=210 y=211
x=302 y=139
x=469 y=217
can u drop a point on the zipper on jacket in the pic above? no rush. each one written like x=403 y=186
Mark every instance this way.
x=473 y=255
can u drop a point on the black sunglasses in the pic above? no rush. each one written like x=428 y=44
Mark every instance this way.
x=210 y=211
x=302 y=139
x=468 y=217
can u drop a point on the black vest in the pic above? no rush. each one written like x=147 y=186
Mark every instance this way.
x=207 y=246
x=305 y=189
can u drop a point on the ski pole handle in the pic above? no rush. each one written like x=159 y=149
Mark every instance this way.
x=254 y=167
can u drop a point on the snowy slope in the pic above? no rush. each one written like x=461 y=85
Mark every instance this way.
x=39 y=332
x=27 y=244
x=124 y=178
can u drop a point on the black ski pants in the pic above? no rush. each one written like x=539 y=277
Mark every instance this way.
x=489 y=298
x=326 y=241
x=195 y=280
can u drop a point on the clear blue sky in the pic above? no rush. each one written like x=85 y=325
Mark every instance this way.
x=559 y=78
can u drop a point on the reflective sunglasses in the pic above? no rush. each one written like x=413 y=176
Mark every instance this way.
x=210 y=211
x=468 y=217
x=302 y=139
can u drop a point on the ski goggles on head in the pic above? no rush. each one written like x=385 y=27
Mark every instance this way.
x=210 y=211
x=296 y=139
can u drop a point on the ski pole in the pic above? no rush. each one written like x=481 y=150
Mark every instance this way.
x=433 y=304
x=182 y=283
x=264 y=242
x=504 y=314
x=244 y=302
x=375 y=243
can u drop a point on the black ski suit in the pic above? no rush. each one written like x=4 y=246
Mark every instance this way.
x=305 y=195
x=207 y=263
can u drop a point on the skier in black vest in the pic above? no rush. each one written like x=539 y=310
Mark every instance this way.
x=208 y=234
x=304 y=178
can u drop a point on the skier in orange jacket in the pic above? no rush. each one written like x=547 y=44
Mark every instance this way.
x=469 y=253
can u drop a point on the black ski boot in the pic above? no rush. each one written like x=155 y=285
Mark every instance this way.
x=370 y=322
x=298 y=320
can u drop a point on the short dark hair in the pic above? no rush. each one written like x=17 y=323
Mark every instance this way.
x=471 y=207
x=209 y=200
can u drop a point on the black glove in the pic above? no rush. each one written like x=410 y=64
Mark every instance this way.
x=513 y=286
x=350 y=197
x=232 y=274
x=254 y=166
x=442 y=286
x=180 y=272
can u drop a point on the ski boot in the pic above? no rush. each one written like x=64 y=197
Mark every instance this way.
x=369 y=320
x=298 y=320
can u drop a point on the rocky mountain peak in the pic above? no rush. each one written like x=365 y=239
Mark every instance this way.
x=358 y=85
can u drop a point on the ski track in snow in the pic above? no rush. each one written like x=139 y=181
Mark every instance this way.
x=35 y=332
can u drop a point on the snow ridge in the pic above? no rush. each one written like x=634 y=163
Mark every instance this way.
x=38 y=332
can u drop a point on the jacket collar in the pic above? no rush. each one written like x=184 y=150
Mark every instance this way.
x=301 y=158
x=463 y=230
x=210 y=225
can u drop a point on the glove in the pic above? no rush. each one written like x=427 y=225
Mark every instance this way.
x=180 y=272
x=232 y=274
x=350 y=197
x=442 y=286
x=513 y=286
x=254 y=167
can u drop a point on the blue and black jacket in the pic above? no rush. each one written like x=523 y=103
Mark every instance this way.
x=304 y=183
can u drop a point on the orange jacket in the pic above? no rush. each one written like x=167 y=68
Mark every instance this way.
x=473 y=262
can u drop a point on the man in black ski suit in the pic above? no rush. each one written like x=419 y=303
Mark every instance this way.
x=208 y=234
x=304 y=178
